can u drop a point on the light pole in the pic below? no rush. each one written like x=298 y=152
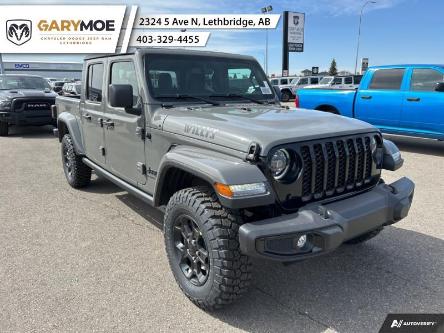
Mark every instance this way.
x=266 y=10
x=359 y=33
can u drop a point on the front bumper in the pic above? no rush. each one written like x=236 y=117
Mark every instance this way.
x=326 y=226
x=37 y=117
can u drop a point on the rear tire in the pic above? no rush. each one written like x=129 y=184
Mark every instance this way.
x=285 y=96
x=77 y=173
x=212 y=272
x=4 y=128
x=365 y=237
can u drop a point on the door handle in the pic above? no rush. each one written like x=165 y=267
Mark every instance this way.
x=109 y=123
x=413 y=99
x=100 y=121
x=366 y=97
x=86 y=116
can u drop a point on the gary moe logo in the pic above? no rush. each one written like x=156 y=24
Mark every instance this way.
x=18 y=32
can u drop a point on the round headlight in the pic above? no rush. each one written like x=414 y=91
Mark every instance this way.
x=279 y=163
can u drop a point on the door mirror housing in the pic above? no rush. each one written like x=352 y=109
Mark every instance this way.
x=439 y=87
x=121 y=96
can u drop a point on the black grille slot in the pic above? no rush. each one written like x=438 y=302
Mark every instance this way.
x=368 y=158
x=307 y=173
x=319 y=160
x=334 y=167
x=361 y=160
x=331 y=159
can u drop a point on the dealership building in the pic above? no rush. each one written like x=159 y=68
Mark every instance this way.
x=57 y=70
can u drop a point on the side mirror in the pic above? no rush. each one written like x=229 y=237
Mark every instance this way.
x=439 y=87
x=121 y=96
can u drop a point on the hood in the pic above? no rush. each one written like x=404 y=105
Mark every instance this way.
x=238 y=126
x=17 y=93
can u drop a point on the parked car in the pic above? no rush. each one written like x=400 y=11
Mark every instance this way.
x=24 y=100
x=401 y=99
x=201 y=136
x=72 y=89
x=57 y=86
x=337 y=82
x=289 y=86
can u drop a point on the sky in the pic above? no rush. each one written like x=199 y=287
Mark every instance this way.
x=392 y=31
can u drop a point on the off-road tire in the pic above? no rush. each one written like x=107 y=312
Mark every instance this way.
x=285 y=96
x=229 y=271
x=78 y=174
x=3 y=128
x=365 y=237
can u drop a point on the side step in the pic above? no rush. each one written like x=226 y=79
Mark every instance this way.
x=119 y=182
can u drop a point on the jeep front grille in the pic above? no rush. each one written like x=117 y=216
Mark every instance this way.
x=329 y=168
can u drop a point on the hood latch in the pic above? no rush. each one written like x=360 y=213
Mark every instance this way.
x=253 y=152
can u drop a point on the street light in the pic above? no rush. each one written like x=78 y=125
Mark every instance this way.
x=266 y=10
x=359 y=33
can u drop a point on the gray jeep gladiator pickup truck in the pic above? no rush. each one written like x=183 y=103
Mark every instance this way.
x=201 y=136
x=24 y=100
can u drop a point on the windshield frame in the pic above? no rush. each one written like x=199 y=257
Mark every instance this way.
x=223 y=97
x=23 y=78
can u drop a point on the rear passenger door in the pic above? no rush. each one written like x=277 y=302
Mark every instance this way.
x=423 y=108
x=92 y=113
x=124 y=137
x=379 y=101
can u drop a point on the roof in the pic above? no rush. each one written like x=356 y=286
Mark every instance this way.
x=25 y=75
x=408 y=65
x=174 y=51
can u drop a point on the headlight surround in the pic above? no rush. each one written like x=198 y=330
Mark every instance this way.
x=5 y=105
x=279 y=163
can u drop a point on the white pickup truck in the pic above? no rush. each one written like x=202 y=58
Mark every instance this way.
x=338 y=82
x=289 y=85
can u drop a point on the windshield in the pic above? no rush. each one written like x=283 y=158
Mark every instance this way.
x=326 y=80
x=173 y=77
x=337 y=80
x=295 y=81
x=10 y=82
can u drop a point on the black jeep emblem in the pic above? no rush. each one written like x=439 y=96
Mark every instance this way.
x=18 y=31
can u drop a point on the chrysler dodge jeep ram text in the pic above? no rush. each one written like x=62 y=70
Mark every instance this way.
x=24 y=100
x=201 y=136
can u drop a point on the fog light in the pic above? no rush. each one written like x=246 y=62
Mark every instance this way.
x=302 y=241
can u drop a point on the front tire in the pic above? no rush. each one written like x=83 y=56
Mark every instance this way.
x=77 y=173
x=4 y=128
x=201 y=240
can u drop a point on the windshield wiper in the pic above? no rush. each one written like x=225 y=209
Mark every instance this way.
x=242 y=96
x=185 y=96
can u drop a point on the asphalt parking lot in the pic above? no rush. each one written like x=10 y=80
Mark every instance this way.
x=94 y=260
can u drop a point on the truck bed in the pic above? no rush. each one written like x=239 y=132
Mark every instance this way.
x=318 y=99
x=68 y=104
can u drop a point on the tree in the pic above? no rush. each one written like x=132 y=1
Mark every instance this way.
x=333 y=69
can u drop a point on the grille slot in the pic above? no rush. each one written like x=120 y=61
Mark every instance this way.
x=332 y=167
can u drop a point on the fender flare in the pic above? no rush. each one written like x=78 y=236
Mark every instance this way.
x=66 y=122
x=213 y=167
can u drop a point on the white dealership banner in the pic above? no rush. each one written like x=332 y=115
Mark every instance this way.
x=295 y=39
x=60 y=28
x=207 y=21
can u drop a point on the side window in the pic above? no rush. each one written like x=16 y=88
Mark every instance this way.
x=284 y=81
x=303 y=81
x=95 y=83
x=125 y=73
x=314 y=80
x=425 y=79
x=348 y=80
x=274 y=82
x=387 y=79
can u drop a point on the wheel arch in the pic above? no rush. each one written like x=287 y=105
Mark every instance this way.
x=185 y=166
x=67 y=124
x=327 y=108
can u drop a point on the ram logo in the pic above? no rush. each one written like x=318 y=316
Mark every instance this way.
x=18 y=31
